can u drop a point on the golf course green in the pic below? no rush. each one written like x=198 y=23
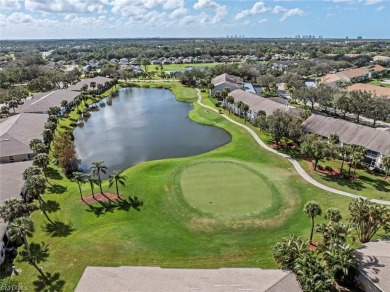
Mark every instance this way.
x=225 y=188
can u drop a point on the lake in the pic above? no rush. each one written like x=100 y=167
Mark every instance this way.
x=143 y=124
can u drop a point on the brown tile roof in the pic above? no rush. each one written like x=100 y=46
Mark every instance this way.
x=227 y=78
x=352 y=73
x=329 y=78
x=375 y=90
x=349 y=133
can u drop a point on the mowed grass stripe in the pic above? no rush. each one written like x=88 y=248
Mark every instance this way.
x=224 y=188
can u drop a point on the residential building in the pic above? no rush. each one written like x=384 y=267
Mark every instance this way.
x=374 y=265
x=99 y=279
x=381 y=58
x=41 y=102
x=376 y=71
x=354 y=75
x=332 y=80
x=376 y=142
x=16 y=132
x=257 y=103
x=223 y=81
x=373 y=89
x=11 y=186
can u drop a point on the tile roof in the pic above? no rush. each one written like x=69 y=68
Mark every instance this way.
x=375 y=90
x=227 y=78
x=157 y=279
x=17 y=131
x=257 y=103
x=349 y=133
x=352 y=73
x=40 y=102
x=329 y=78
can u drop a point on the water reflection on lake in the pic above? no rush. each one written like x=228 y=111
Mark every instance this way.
x=143 y=124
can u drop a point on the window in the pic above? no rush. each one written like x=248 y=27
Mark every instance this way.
x=11 y=159
x=30 y=156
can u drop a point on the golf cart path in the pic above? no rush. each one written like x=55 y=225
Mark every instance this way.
x=295 y=163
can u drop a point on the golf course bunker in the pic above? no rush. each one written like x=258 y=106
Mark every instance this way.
x=225 y=188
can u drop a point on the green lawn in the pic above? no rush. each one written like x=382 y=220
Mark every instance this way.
x=172 y=67
x=227 y=188
x=379 y=83
x=166 y=230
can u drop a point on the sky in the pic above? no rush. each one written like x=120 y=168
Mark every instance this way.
x=70 y=19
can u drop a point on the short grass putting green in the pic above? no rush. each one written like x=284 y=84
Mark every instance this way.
x=225 y=188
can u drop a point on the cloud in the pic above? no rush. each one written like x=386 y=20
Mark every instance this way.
x=19 y=18
x=380 y=8
x=64 y=6
x=258 y=7
x=220 y=11
x=292 y=12
x=263 y=20
x=179 y=12
x=9 y=4
x=371 y=2
x=278 y=9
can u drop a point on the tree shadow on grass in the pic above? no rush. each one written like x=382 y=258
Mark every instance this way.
x=39 y=252
x=378 y=183
x=51 y=206
x=52 y=283
x=110 y=206
x=53 y=173
x=57 y=189
x=58 y=229
x=342 y=181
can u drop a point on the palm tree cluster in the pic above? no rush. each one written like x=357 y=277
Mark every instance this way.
x=94 y=178
x=331 y=261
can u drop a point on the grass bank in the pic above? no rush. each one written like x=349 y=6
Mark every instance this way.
x=165 y=230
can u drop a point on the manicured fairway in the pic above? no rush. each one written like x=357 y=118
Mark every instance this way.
x=166 y=230
x=225 y=188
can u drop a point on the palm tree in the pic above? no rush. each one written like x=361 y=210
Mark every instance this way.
x=41 y=160
x=386 y=165
x=239 y=107
x=64 y=105
x=357 y=156
x=342 y=263
x=116 y=177
x=230 y=102
x=18 y=230
x=13 y=104
x=91 y=179
x=245 y=109
x=30 y=171
x=99 y=87
x=84 y=88
x=97 y=167
x=78 y=177
x=35 y=187
x=288 y=250
x=93 y=85
x=345 y=152
x=312 y=209
x=333 y=214
x=11 y=209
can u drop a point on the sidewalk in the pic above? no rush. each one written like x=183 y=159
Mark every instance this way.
x=295 y=163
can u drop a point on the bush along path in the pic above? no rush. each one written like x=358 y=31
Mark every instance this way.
x=295 y=163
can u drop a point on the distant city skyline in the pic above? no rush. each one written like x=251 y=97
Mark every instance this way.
x=66 y=19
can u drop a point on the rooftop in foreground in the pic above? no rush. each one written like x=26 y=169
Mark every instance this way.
x=157 y=279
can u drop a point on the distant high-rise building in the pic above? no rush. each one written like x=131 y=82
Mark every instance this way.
x=346 y=37
x=359 y=37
